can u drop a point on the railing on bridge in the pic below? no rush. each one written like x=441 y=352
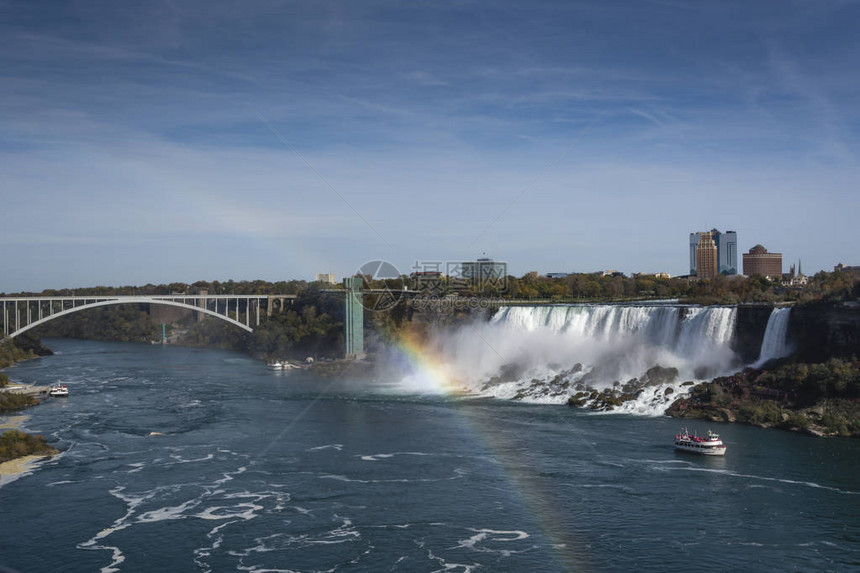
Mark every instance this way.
x=23 y=313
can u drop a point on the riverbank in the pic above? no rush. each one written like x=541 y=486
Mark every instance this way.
x=13 y=469
x=23 y=347
x=818 y=399
x=12 y=422
x=19 y=451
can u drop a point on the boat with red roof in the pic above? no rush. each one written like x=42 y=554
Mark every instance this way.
x=710 y=445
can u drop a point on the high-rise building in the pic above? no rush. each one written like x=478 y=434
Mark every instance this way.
x=706 y=257
x=327 y=278
x=759 y=262
x=727 y=251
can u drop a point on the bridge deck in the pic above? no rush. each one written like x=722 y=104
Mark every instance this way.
x=21 y=313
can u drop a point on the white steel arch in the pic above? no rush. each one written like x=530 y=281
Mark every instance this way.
x=114 y=300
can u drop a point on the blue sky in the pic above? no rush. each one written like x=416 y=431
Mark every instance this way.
x=177 y=141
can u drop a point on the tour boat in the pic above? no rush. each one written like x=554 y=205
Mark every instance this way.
x=710 y=445
x=281 y=365
x=59 y=391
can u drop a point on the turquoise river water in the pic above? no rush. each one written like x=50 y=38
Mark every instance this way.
x=178 y=459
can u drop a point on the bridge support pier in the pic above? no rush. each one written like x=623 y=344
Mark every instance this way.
x=281 y=300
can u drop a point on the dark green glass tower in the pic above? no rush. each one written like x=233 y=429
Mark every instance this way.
x=353 y=322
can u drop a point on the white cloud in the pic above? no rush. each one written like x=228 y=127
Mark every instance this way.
x=139 y=129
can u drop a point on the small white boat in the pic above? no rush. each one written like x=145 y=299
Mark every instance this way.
x=278 y=365
x=710 y=445
x=59 y=391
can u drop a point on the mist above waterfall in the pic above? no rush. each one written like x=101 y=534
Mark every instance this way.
x=542 y=353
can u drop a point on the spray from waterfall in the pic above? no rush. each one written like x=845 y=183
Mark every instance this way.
x=548 y=353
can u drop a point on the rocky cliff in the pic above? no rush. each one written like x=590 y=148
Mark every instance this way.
x=822 y=331
x=749 y=331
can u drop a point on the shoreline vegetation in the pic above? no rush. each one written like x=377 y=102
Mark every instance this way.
x=312 y=326
x=820 y=399
x=19 y=450
x=24 y=347
x=17 y=444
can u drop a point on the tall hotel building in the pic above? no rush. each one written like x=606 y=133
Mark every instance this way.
x=706 y=257
x=727 y=252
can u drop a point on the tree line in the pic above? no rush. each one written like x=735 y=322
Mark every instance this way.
x=592 y=287
x=837 y=285
x=312 y=324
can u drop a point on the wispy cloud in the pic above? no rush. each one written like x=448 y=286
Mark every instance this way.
x=131 y=125
x=649 y=116
x=821 y=112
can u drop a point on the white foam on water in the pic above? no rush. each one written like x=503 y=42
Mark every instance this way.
x=136 y=467
x=495 y=535
x=377 y=457
x=167 y=513
x=343 y=478
x=451 y=566
x=62 y=482
x=244 y=511
x=255 y=569
x=338 y=447
x=180 y=460
x=206 y=502
x=201 y=553
x=773 y=479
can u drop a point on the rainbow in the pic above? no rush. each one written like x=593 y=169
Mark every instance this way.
x=431 y=373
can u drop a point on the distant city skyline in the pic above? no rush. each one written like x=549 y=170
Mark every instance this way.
x=187 y=140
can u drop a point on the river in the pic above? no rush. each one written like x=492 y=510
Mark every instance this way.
x=179 y=459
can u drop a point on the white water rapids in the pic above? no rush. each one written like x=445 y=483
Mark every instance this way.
x=548 y=353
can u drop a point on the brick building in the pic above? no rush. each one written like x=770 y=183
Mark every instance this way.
x=759 y=262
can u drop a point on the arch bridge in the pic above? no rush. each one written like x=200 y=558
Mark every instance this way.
x=20 y=314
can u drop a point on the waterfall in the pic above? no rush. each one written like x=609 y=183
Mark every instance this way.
x=548 y=353
x=692 y=334
x=705 y=328
x=604 y=322
x=775 y=341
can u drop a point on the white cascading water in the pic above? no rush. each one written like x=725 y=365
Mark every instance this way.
x=775 y=343
x=543 y=353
